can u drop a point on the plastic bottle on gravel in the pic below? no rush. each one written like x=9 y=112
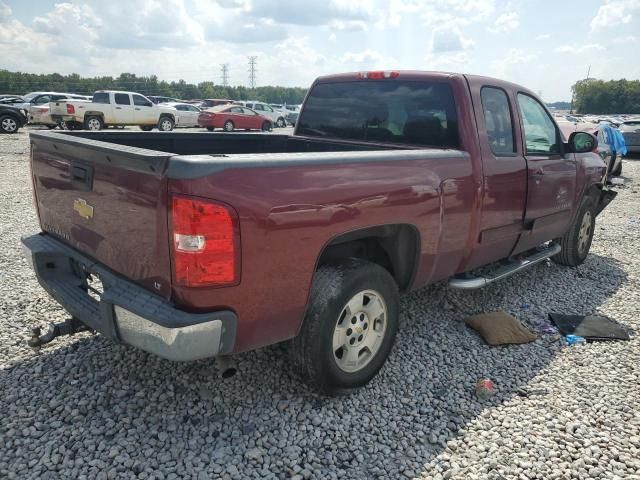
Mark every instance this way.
x=574 y=339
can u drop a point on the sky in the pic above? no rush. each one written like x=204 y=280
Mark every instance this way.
x=542 y=44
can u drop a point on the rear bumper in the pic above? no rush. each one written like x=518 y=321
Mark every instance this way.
x=124 y=311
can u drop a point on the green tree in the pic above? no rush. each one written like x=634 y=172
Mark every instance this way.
x=600 y=97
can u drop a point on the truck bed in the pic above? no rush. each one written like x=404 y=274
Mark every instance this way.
x=292 y=195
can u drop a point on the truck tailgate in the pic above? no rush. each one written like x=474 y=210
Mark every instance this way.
x=108 y=201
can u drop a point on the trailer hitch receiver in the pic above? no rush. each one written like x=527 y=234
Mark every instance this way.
x=68 y=327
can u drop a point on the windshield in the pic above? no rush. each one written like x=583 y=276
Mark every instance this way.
x=29 y=96
x=407 y=112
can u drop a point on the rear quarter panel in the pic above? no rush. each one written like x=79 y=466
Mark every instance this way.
x=289 y=213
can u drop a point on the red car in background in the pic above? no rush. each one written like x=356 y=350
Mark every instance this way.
x=232 y=117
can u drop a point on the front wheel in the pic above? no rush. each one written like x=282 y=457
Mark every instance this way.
x=577 y=241
x=281 y=123
x=93 y=123
x=267 y=127
x=8 y=124
x=209 y=129
x=228 y=126
x=165 y=124
x=349 y=328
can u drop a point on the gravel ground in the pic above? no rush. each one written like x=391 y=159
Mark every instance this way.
x=85 y=408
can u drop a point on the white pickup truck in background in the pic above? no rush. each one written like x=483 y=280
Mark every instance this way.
x=112 y=107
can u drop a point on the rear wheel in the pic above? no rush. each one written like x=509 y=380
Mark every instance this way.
x=210 y=129
x=165 y=124
x=8 y=124
x=281 y=123
x=93 y=123
x=228 y=126
x=146 y=128
x=267 y=126
x=577 y=241
x=349 y=327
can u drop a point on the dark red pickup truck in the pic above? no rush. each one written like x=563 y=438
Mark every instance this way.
x=193 y=245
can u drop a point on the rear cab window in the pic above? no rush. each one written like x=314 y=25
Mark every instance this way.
x=406 y=112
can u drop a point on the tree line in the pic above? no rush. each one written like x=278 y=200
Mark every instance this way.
x=20 y=83
x=613 y=96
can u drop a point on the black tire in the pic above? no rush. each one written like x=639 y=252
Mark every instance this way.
x=267 y=126
x=333 y=287
x=228 y=126
x=165 y=124
x=146 y=128
x=210 y=129
x=72 y=125
x=280 y=123
x=51 y=127
x=93 y=122
x=575 y=245
x=9 y=124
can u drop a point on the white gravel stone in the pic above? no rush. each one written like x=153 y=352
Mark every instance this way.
x=84 y=407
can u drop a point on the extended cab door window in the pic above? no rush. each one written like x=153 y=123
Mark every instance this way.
x=101 y=97
x=498 y=121
x=122 y=111
x=540 y=134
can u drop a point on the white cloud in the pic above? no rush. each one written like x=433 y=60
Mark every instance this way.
x=624 y=39
x=543 y=36
x=443 y=13
x=591 y=47
x=449 y=39
x=348 y=26
x=502 y=67
x=615 y=12
x=446 y=61
x=367 y=56
x=506 y=22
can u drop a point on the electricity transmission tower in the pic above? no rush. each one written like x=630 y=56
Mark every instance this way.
x=225 y=74
x=252 y=71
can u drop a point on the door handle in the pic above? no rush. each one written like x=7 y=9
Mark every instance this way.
x=118 y=108
x=538 y=173
x=137 y=109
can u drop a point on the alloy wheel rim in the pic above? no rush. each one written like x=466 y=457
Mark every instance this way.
x=359 y=331
x=9 y=125
x=585 y=233
x=94 y=124
x=166 y=125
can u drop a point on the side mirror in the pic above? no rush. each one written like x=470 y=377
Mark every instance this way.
x=582 y=142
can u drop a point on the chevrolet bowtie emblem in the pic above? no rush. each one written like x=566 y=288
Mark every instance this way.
x=83 y=208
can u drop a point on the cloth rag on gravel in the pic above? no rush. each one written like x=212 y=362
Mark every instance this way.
x=591 y=327
x=500 y=328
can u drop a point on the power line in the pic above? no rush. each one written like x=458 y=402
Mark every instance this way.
x=225 y=74
x=252 y=71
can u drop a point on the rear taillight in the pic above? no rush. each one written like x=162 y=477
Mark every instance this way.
x=205 y=243
x=70 y=108
x=377 y=75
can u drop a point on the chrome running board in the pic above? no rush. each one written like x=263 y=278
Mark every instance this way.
x=470 y=283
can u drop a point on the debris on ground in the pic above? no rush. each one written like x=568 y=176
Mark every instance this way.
x=484 y=388
x=589 y=327
x=500 y=328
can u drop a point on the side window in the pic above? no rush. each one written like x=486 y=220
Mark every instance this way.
x=267 y=108
x=101 y=97
x=193 y=109
x=540 y=133
x=258 y=107
x=122 y=99
x=180 y=108
x=140 y=101
x=497 y=119
x=236 y=110
x=42 y=100
x=248 y=111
